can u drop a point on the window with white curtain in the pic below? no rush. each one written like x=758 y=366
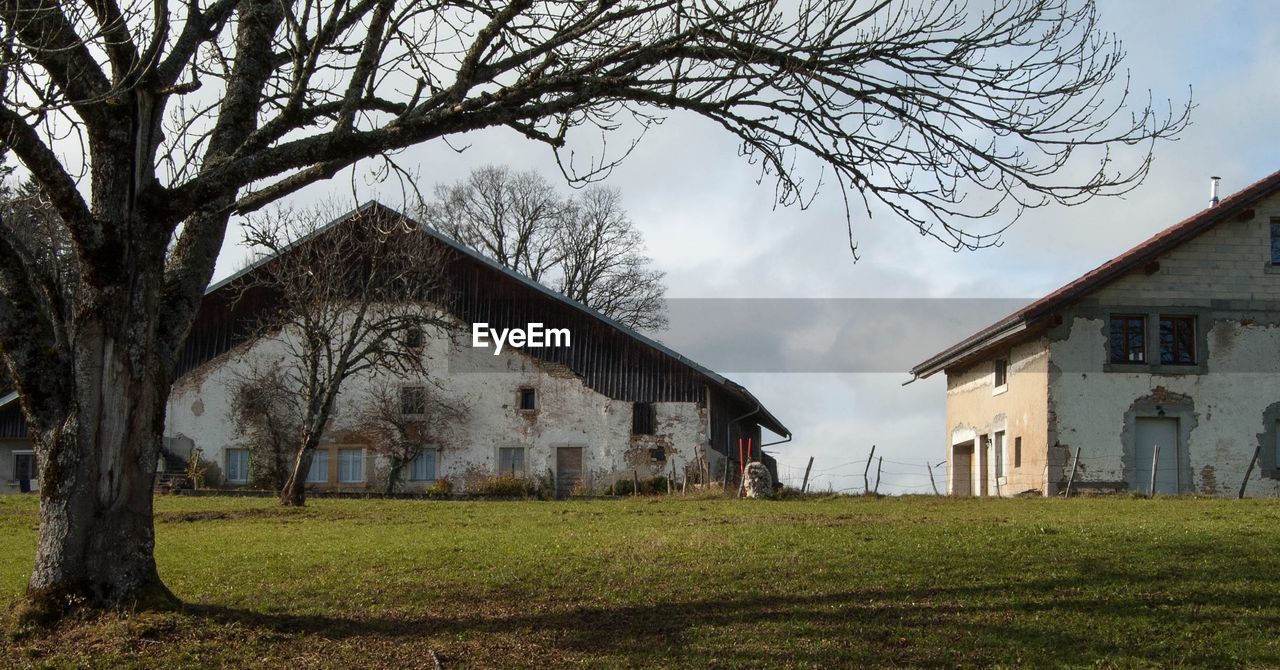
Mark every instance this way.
x=237 y=466
x=423 y=468
x=511 y=460
x=319 y=472
x=350 y=466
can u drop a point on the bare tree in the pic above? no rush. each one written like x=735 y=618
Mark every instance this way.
x=146 y=124
x=403 y=422
x=266 y=412
x=603 y=266
x=353 y=298
x=585 y=247
x=506 y=215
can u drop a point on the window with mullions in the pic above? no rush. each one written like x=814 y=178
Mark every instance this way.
x=1128 y=338
x=1275 y=241
x=1177 y=340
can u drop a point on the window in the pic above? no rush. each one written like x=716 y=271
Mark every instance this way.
x=999 y=449
x=350 y=466
x=24 y=466
x=423 y=468
x=1001 y=372
x=1017 y=452
x=642 y=418
x=413 y=400
x=413 y=337
x=237 y=466
x=1278 y=444
x=1128 y=339
x=319 y=472
x=511 y=460
x=1275 y=241
x=1177 y=340
x=528 y=399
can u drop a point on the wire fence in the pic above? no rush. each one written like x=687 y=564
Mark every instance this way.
x=873 y=474
x=877 y=474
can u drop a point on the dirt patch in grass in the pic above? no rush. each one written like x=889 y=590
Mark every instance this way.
x=192 y=516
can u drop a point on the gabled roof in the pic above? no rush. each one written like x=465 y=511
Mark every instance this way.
x=1237 y=205
x=761 y=416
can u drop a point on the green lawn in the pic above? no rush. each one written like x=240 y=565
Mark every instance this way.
x=682 y=582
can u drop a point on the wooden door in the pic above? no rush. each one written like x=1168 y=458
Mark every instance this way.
x=568 y=470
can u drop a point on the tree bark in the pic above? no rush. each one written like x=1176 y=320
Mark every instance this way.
x=294 y=492
x=97 y=473
x=393 y=475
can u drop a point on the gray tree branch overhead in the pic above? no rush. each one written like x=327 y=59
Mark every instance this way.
x=146 y=124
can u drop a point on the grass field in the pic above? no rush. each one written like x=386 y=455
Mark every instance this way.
x=695 y=583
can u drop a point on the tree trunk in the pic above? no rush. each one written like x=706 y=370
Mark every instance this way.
x=294 y=492
x=393 y=475
x=97 y=473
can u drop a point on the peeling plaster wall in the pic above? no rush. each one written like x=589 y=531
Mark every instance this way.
x=1221 y=277
x=568 y=414
x=1095 y=409
x=976 y=409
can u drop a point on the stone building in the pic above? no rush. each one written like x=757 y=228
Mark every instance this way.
x=1173 y=345
x=612 y=404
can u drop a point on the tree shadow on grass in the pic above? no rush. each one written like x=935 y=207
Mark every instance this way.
x=1110 y=618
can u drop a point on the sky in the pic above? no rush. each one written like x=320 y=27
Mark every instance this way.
x=826 y=341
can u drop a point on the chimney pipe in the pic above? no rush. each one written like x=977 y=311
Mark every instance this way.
x=1213 y=191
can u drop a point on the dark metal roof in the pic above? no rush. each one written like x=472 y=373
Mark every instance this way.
x=1231 y=207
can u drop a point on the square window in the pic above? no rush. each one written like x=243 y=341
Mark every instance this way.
x=642 y=418
x=413 y=337
x=1128 y=339
x=528 y=399
x=511 y=460
x=351 y=466
x=237 y=466
x=424 y=467
x=1177 y=340
x=413 y=400
x=1001 y=372
x=319 y=472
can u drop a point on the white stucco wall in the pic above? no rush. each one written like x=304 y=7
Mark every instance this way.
x=1223 y=278
x=568 y=414
x=1229 y=399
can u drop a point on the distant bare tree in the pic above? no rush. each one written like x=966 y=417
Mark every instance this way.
x=603 y=265
x=351 y=298
x=586 y=246
x=146 y=123
x=402 y=422
x=506 y=215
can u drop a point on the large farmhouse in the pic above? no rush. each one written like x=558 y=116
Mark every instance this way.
x=1159 y=368
x=613 y=404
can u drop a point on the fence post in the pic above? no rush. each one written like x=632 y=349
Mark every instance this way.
x=879 y=465
x=1253 y=461
x=1072 y=477
x=866 y=484
x=805 y=486
x=931 y=482
x=1155 y=461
